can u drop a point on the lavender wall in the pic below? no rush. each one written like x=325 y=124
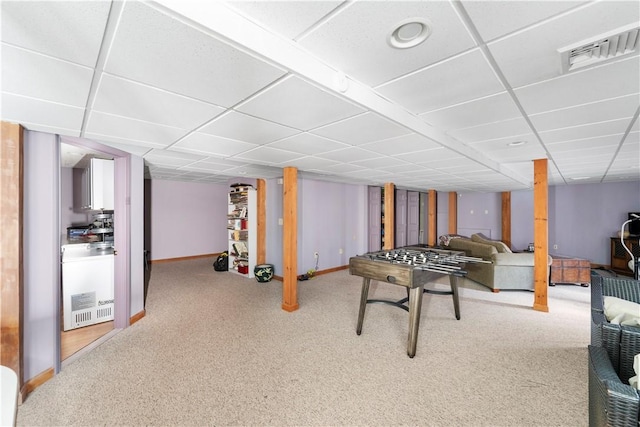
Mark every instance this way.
x=331 y=221
x=582 y=217
x=41 y=248
x=186 y=218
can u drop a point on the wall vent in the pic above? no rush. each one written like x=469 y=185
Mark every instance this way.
x=623 y=41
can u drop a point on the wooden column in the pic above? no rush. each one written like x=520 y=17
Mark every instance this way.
x=389 y=215
x=433 y=218
x=506 y=218
x=540 y=234
x=453 y=212
x=11 y=264
x=261 y=192
x=290 y=240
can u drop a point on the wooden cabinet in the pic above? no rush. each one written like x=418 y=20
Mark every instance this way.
x=569 y=270
x=96 y=185
x=620 y=257
x=241 y=226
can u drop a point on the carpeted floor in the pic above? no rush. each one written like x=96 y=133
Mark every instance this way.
x=216 y=349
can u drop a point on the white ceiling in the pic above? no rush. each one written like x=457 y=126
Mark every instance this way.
x=207 y=91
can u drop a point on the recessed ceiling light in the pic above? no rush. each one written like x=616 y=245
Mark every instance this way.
x=516 y=143
x=409 y=33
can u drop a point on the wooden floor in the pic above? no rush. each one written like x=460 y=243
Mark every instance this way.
x=76 y=339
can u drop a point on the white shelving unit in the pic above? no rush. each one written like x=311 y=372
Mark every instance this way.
x=241 y=228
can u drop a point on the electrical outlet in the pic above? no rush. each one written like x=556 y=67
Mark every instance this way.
x=340 y=251
x=555 y=246
x=316 y=255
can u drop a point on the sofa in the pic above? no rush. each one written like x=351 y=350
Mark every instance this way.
x=622 y=342
x=506 y=270
x=612 y=400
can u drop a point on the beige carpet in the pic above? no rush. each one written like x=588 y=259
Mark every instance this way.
x=216 y=349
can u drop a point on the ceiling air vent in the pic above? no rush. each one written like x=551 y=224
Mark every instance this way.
x=607 y=47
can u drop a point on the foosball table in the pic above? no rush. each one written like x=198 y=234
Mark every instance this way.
x=413 y=268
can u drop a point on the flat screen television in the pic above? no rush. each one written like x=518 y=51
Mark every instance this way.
x=634 y=226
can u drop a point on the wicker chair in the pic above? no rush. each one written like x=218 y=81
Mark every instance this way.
x=621 y=342
x=611 y=401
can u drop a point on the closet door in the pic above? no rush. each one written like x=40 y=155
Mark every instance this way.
x=413 y=218
x=401 y=218
x=375 y=219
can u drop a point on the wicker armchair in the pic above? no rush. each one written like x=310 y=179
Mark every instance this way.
x=621 y=342
x=611 y=401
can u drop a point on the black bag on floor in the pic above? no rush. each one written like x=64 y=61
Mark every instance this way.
x=222 y=262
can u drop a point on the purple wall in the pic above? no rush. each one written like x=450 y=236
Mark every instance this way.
x=186 y=218
x=582 y=217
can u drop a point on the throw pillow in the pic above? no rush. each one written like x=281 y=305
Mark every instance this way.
x=621 y=311
x=635 y=381
x=501 y=247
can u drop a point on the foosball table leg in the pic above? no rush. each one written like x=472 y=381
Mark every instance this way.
x=415 y=305
x=363 y=303
x=453 y=280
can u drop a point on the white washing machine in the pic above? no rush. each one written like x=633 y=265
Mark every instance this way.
x=87 y=285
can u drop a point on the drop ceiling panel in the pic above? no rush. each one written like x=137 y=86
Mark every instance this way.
x=37 y=76
x=164 y=158
x=611 y=127
x=401 y=144
x=152 y=47
x=609 y=109
x=130 y=99
x=532 y=55
x=611 y=141
x=211 y=145
x=380 y=163
x=109 y=138
x=135 y=130
x=129 y=148
x=39 y=28
x=496 y=18
x=20 y=109
x=350 y=154
x=307 y=143
x=298 y=104
x=267 y=155
x=355 y=40
x=504 y=129
x=582 y=87
x=444 y=84
x=311 y=163
x=288 y=18
x=432 y=156
x=492 y=108
x=361 y=129
x=245 y=128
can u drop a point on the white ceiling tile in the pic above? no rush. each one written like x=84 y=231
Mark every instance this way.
x=155 y=48
x=130 y=99
x=425 y=157
x=444 y=84
x=307 y=143
x=311 y=163
x=490 y=131
x=122 y=127
x=355 y=40
x=255 y=171
x=532 y=55
x=37 y=76
x=109 y=139
x=165 y=158
x=611 y=141
x=364 y=128
x=582 y=87
x=609 y=109
x=296 y=103
x=245 y=128
x=39 y=28
x=401 y=144
x=496 y=18
x=350 y=154
x=211 y=145
x=267 y=155
x=20 y=109
x=591 y=130
x=380 y=163
x=288 y=18
x=137 y=150
x=492 y=108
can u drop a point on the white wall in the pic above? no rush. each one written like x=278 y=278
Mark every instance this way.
x=187 y=218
